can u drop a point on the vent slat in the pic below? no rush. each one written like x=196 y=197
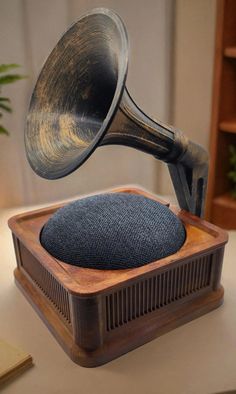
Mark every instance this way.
x=186 y=279
x=169 y=281
x=172 y=279
x=159 y=290
x=143 y=298
x=151 y=294
x=190 y=278
x=135 y=301
x=178 y=283
x=182 y=274
x=165 y=289
x=155 y=292
x=200 y=273
x=108 y=320
x=204 y=272
x=175 y=284
x=51 y=288
x=130 y=304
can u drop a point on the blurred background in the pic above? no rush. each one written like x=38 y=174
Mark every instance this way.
x=170 y=78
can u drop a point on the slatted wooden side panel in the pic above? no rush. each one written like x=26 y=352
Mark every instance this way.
x=52 y=289
x=156 y=292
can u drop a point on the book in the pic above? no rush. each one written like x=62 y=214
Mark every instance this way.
x=13 y=361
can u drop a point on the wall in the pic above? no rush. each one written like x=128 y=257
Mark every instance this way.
x=193 y=71
x=29 y=29
x=193 y=62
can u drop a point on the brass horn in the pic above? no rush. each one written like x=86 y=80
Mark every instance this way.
x=80 y=102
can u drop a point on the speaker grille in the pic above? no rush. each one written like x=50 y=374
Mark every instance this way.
x=148 y=295
x=148 y=229
x=51 y=288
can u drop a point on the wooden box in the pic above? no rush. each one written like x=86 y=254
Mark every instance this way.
x=98 y=315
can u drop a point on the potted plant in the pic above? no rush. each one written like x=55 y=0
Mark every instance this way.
x=232 y=172
x=6 y=78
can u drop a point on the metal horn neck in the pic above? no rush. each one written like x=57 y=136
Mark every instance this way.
x=187 y=161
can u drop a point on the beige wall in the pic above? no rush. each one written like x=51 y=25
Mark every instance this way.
x=193 y=67
x=192 y=73
x=29 y=29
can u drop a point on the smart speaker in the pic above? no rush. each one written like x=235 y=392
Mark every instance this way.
x=111 y=271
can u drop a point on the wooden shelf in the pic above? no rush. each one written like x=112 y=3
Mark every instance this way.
x=224 y=211
x=228 y=126
x=230 y=52
x=225 y=200
x=221 y=207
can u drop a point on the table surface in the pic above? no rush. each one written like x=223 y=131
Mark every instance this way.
x=199 y=357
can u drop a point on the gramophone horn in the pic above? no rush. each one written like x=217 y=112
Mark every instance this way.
x=80 y=101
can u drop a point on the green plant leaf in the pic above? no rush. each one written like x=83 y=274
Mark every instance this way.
x=3 y=130
x=232 y=176
x=4 y=99
x=6 y=67
x=232 y=173
x=233 y=193
x=5 y=107
x=232 y=161
x=5 y=79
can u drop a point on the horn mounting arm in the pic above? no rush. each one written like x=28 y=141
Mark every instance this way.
x=187 y=161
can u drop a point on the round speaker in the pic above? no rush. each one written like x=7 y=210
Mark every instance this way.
x=113 y=231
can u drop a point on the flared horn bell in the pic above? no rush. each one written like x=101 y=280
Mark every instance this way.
x=80 y=101
x=77 y=94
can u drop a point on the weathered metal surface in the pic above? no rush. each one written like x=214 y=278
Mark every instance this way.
x=76 y=94
x=80 y=102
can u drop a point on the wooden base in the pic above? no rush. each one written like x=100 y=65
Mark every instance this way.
x=155 y=327
x=99 y=315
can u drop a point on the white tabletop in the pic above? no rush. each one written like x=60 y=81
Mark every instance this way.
x=199 y=357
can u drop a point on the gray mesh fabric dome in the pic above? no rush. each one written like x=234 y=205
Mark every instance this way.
x=113 y=231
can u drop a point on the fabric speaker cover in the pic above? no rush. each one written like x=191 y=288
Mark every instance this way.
x=113 y=231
